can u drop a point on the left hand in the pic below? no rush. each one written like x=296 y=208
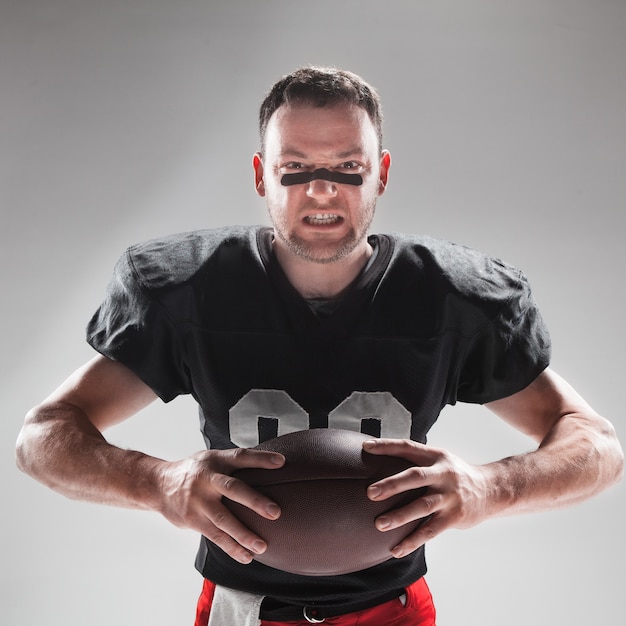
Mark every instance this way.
x=456 y=492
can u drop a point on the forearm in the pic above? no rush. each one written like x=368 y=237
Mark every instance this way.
x=579 y=457
x=60 y=447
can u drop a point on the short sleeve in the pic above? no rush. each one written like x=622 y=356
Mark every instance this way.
x=507 y=352
x=132 y=327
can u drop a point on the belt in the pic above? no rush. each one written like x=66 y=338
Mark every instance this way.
x=278 y=611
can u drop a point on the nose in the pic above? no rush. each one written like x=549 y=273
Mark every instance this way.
x=321 y=188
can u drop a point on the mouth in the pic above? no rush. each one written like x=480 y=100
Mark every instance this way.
x=322 y=219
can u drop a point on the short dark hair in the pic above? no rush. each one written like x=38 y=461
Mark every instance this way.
x=322 y=86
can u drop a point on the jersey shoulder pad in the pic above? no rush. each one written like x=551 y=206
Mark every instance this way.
x=177 y=259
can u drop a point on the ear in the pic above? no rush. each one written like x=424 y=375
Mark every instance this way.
x=385 y=164
x=257 y=164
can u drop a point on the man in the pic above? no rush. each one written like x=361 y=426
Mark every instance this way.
x=316 y=323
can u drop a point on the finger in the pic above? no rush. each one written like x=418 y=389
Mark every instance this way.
x=428 y=530
x=418 y=453
x=240 y=492
x=412 y=478
x=419 y=509
x=239 y=458
x=225 y=531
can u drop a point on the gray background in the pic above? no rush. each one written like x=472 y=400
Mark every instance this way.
x=124 y=120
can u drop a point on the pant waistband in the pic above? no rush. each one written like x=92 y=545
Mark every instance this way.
x=277 y=611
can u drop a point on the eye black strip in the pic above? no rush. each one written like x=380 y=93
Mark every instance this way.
x=301 y=178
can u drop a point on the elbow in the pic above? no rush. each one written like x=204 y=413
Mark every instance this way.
x=27 y=450
x=612 y=455
x=20 y=453
x=22 y=447
x=619 y=474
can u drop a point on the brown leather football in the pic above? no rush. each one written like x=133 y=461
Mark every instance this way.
x=327 y=521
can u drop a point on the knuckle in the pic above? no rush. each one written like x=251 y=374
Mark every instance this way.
x=237 y=452
x=438 y=453
x=240 y=454
x=428 y=532
x=215 y=537
x=227 y=483
x=429 y=503
x=416 y=473
x=220 y=519
x=464 y=515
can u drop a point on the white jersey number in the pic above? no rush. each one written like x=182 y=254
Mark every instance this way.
x=394 y=419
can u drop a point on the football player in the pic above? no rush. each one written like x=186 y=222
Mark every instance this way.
x=315 y=322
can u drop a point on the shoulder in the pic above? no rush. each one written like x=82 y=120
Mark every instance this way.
x=456 y=267
x=179 y=258
x=457 y=279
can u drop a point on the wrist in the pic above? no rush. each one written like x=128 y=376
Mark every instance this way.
x=147 y=484
x=506 y=486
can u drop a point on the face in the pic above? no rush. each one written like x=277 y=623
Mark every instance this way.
x=321 y=221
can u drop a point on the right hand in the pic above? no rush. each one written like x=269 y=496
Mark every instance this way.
x=192 y=491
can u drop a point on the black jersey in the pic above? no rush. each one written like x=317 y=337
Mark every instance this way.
x=427 y=323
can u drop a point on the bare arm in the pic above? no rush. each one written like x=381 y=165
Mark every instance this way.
x=578 y=456
x=61 y=444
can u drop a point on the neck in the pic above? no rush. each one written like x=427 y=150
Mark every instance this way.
x=322 y=280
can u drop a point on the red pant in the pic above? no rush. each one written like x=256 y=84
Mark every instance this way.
x=419 y=610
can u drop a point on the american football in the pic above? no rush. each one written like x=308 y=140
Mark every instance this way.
x=327 y=521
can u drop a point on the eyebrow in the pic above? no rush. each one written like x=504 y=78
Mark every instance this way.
x=292 y=152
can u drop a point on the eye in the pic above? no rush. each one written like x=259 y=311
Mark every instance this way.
x=293 y=165
x=350 y=165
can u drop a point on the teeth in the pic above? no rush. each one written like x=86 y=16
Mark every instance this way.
x=323 y=218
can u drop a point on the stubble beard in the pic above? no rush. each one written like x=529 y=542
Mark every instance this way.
x=321 y=251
